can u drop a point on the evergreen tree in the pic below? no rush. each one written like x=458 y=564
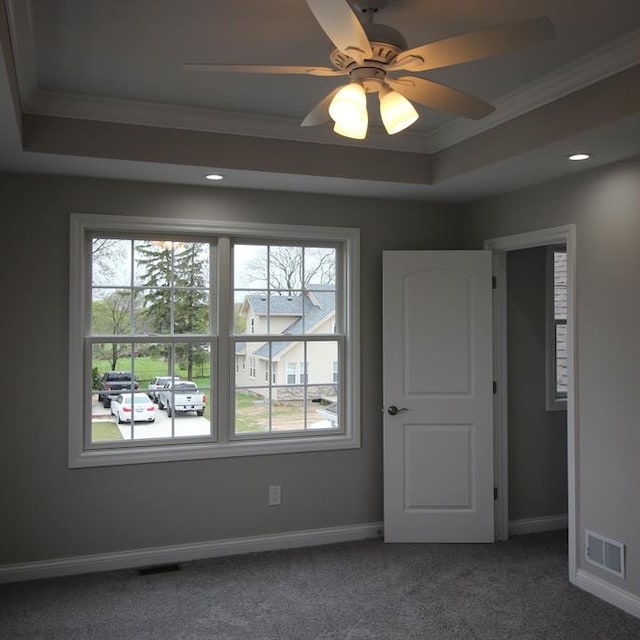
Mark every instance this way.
x=175 y=277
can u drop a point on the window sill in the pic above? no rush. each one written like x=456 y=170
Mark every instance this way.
x=200 y=451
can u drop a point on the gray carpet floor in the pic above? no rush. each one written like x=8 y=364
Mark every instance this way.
x=357 y=590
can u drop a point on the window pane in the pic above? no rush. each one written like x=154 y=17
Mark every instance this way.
x=325 y=416
x=110 y=262
x=319 y=266
x=252 y=412
x=190 y=311
x=155 y=316
x=113 y=310
x=285 y=269
x=249 y=266
x=250 y=312
x=319 y=311
x=285 y=312
x=288 y=410
x=153 y=265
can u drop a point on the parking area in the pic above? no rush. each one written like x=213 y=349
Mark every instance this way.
x=184 y=424
x=190 y=424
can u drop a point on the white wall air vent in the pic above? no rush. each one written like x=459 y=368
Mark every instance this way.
x=604 y=552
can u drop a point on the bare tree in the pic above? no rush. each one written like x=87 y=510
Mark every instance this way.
x=107 y=255
x=287 y=269
x=112 y=315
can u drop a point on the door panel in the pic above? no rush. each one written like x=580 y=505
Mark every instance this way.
x=424 y=327
x=438 y=448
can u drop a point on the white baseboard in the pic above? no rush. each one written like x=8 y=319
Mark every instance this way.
x=185 y=552
x=536 y=525
x=609 y=593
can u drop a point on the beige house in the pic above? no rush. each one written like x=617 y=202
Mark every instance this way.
x=290 y=367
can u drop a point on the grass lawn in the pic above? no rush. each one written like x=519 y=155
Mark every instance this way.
x=146 y=368
x=252 y=414
x=105 y=432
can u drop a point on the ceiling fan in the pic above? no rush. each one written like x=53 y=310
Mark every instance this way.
x=370 y=52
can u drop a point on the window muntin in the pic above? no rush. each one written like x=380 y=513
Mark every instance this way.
x=92 y=281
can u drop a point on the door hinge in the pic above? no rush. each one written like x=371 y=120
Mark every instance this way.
x=495 y=493
x=495 y=387
x=494 y=282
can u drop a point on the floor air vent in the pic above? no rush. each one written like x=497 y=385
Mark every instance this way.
x=163 y=568
x=606 y=553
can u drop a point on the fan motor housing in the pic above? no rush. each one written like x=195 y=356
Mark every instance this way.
x=383 y=53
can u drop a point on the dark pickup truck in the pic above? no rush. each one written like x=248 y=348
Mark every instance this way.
x=113 y=383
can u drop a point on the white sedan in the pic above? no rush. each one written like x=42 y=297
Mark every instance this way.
x=133 y=407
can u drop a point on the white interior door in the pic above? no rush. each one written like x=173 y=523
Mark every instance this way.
x=438 y=396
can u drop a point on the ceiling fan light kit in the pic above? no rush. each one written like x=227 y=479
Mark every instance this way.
x=396 y=111
x=368 y=53
x=356 y=129
x=349 y=104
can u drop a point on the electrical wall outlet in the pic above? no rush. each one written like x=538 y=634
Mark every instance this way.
x=275 y=494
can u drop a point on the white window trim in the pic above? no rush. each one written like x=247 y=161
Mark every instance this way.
x=553 y=401
x=81 y=224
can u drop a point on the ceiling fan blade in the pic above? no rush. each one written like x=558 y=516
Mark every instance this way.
x=262 y=68
x=476 y=45
x=320 y=113
x=440 y=97
x=342 y=26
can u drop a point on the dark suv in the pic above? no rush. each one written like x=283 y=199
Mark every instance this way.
x=112 y=383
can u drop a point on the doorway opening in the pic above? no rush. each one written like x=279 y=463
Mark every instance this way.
x=502 y=257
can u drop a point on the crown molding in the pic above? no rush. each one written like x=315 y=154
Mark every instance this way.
x=86 y=107
x=591 y=68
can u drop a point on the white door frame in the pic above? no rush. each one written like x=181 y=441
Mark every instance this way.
x=556 y=235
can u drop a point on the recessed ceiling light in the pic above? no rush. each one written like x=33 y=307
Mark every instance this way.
x=214 y=176
x=579 y=156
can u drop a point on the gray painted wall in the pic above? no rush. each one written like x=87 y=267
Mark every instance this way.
x=49 y=511
x=537 y=437
x=604 y=204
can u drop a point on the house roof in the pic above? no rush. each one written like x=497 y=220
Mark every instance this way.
x=316 y=305
x=275 y=305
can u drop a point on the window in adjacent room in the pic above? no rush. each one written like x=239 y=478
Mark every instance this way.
x=556 y=328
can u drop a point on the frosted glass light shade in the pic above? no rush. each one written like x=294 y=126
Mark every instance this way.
x=396 y=111
x=356 y=130
x=349 y=105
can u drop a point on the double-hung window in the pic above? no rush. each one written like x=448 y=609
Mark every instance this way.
x=172 y=309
